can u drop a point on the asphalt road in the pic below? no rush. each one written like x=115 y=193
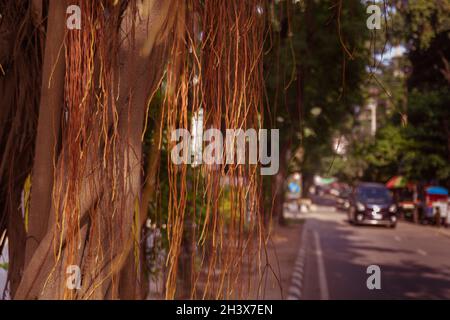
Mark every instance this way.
x=332 y=263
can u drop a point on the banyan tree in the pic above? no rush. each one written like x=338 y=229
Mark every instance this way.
x=85 y=121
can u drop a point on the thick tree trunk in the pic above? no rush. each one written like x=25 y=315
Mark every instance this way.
x=52 y=101
x=132 y=284
x=44 y=276
x=132 y=276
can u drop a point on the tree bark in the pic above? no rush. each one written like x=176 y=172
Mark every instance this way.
x=44 y=277
x=132 y=285
x=52 y=100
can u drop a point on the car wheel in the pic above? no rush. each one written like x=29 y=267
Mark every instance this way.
x=393 y=226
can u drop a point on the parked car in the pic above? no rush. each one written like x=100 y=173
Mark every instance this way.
x=372 y=203
x=342 y=201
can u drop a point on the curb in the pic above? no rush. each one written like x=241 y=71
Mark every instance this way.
x=297 y=280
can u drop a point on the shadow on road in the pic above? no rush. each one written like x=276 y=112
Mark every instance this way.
x=348 y=251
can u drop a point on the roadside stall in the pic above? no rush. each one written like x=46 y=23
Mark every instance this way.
x=405 y=196
x=436 y=205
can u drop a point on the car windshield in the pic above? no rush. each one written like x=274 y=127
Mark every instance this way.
x=373 y=194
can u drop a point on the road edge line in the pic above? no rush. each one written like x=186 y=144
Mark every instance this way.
x=323 y=285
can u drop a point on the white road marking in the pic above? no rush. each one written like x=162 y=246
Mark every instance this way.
x=323 y=285
x=422 y=252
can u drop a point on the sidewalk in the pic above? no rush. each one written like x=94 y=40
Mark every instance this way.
x=269 y=276
x=282 y=252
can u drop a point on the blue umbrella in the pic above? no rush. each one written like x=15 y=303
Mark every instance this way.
x=437 y=191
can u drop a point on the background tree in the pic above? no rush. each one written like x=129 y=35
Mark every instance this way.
x=314 y=73
x=413 y=89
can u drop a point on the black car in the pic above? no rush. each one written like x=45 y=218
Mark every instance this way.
x=372 y=203
x=342 y=200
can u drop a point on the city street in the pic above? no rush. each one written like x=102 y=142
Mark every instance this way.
x=333 y=260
